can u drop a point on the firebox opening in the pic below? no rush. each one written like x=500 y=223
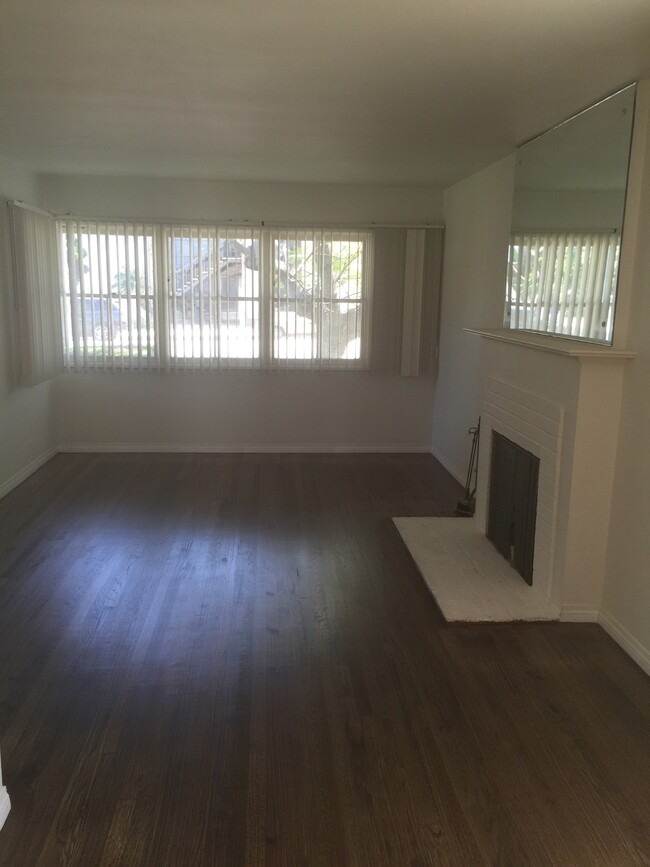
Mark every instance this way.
x=512 y=506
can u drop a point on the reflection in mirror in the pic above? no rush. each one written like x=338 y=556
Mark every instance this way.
x=567 y=223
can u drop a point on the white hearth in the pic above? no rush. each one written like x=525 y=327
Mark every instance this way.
x=468 y=577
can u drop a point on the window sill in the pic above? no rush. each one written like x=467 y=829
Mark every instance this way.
x=567 y=346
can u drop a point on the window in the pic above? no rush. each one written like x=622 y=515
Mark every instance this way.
x=563 y=283
x=213 y=296
x=320 y=297
x=109 y=299
x=197 y=297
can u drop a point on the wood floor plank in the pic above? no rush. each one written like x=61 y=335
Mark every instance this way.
x=232 y=660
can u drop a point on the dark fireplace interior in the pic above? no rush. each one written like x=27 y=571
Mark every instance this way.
x=512 y=504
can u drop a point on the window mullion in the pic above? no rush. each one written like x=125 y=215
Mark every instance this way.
x=214 y=271
x=162 y=294
x=267 y=270
x=367 y=281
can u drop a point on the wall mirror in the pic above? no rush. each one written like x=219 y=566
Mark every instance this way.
x=567 y=223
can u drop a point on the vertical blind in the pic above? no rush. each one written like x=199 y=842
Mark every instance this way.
x=111 y=316
x=213 y=298
x=412 y=308
x=36 y=285
x=320 y=298
x=194 y=297
x=123 y=295
x=563 y=283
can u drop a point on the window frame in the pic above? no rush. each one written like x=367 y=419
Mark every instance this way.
x=76 y=346
x=318 y=361
x=160 y=339
x=212 y=232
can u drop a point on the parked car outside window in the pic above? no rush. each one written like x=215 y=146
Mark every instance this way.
x=103 y=318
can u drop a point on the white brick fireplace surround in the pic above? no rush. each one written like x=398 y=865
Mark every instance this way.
x=536 y=425
x=558 y=399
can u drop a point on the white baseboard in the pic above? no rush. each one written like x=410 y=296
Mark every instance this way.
x=23 y=474
x=633 y=647
x=242 y=448
x=5 y=805
x=459 y=475
x=578 y=614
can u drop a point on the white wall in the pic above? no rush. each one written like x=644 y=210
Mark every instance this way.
x=251 y=409
x=626 y=601
x=26 y=417
x=168 y=199
x=477 y=217
x=244 y=410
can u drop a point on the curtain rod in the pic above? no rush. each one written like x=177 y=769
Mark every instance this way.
x=26 y=207
x=257 y=224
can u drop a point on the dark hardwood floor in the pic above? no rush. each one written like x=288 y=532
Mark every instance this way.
x=232 y=660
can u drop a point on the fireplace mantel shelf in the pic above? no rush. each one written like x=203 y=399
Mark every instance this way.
x=551 y=343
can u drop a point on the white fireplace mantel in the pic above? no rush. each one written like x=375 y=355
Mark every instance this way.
x=570 y=347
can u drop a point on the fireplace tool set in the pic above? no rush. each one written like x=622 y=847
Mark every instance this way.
x=466 y=505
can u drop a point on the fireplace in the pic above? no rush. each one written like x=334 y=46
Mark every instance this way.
x=536 y=426
x=468 y=576
x=512 y=504
x=558 y=400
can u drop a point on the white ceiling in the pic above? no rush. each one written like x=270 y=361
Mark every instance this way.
x=363 y=91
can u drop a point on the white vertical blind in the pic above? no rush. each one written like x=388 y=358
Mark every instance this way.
x=213 y=296
x=412 y=306
x=563 y=283
x=202 y=297
x=320 y=295
x=110 y=305
x=37 y=295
